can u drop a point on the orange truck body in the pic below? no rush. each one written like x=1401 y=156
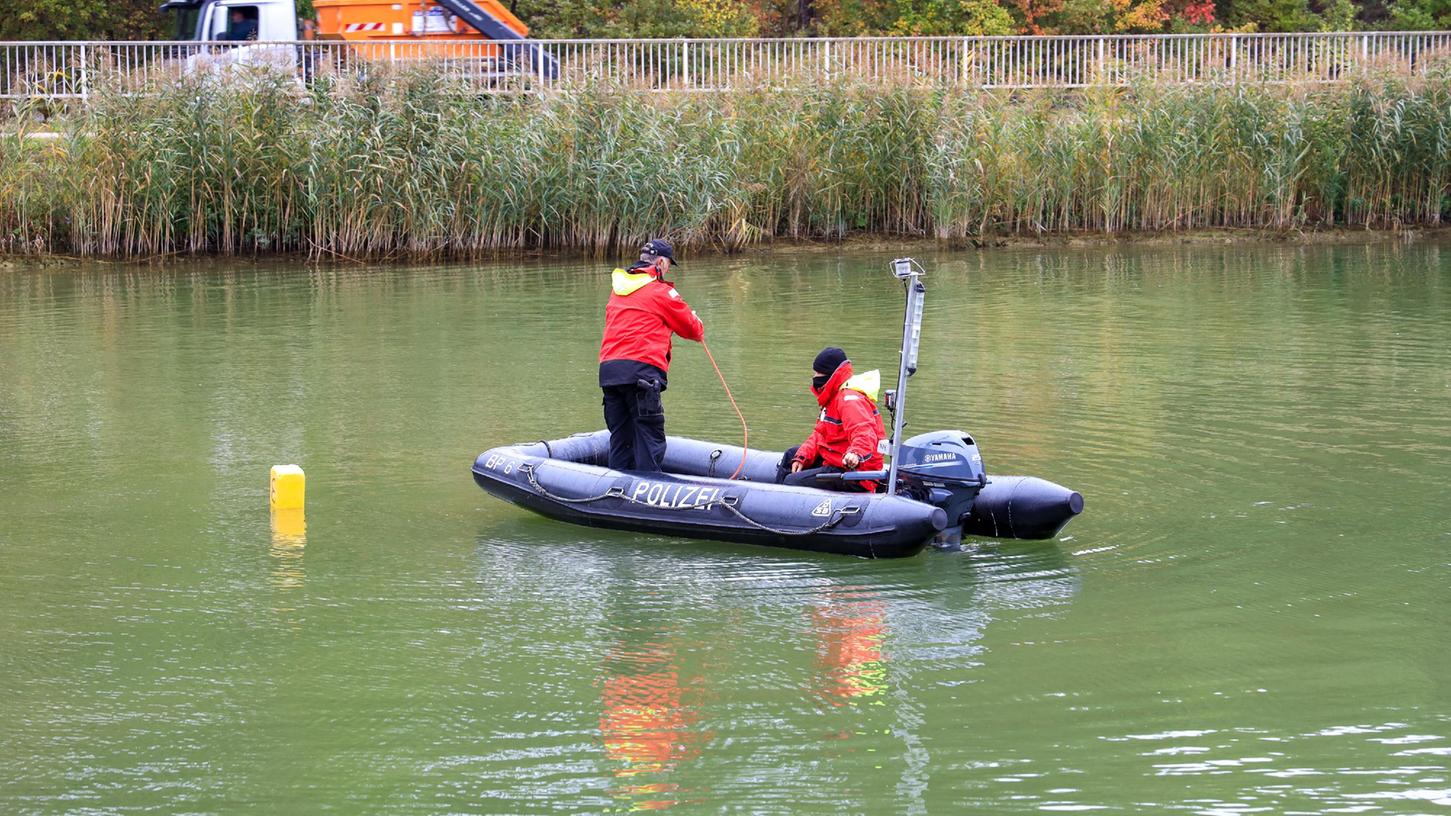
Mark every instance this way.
x=412 y=29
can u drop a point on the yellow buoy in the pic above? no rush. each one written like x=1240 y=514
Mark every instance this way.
x=288 y=486
x=289 y=528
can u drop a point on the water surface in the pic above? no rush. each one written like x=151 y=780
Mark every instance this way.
x=1251 y=616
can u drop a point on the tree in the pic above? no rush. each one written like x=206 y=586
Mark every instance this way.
x=1274 y=15
x=1338 y=15
x=569 y=19
x=1033 y=13
x=1108 y=17
x=952 y=18
x=913 y=17
x=83 y=20
x=721 y=18
x=985 y=18
x=1187 y=16
x=1421 y=15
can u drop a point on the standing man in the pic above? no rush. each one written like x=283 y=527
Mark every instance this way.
x=643 y=312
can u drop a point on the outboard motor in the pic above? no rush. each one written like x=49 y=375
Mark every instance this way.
x=943 y=468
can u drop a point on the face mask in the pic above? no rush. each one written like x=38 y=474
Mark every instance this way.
x=819 y=382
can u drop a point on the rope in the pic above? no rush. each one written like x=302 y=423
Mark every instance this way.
x=745 y=429
x=529 y=472
x=612 y=493
x=831 y=522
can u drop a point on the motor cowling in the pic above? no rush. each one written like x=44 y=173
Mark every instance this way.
x=943 y=468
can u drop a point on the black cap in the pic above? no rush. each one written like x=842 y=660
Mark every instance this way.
x=828 y=361
x=660 y=248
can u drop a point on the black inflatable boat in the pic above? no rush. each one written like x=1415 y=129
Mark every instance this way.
x=943 y=495
x=936 y=487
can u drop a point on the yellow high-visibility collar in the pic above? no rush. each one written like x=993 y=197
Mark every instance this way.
x=627 y=283
x=868 y=382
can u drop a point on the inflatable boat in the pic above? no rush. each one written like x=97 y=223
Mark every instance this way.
x=936 y=489
x=943 y=495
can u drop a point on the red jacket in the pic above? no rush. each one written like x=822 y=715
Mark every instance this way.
x=642 y=313
x=849 y=422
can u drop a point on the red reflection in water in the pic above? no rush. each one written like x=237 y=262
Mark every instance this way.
x=849 y=650
x=646 y=725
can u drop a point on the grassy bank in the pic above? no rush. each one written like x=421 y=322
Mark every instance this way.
x=403 y=167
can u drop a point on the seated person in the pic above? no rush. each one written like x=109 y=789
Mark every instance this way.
x=240 y=27
x=846 y=436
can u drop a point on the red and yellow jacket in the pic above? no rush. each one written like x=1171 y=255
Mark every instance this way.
x=849 y=421
x=642 y=314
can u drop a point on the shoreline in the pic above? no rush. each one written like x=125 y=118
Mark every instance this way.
x=1223 y=236
x=1226 y=236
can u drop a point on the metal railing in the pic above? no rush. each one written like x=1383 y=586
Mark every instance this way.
x=72 y=70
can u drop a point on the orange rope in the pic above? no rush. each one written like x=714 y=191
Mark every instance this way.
x=745 y=429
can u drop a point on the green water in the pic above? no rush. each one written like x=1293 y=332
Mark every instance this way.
x=1252 y=615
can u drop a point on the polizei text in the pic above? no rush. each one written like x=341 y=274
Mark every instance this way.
x=674 y=496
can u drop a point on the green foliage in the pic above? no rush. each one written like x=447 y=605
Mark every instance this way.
x=83 y=20
x=913 y=17
x=721 y=18
x=1274 y=15
x=1338 y=15
x=951 y=17
x=985 y=18
x=1421 y=15
x=604 y=18
x=383 y=165
x=1108 y=16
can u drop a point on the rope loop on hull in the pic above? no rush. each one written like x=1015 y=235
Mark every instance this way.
x=612 y=493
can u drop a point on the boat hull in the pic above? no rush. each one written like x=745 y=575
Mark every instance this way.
x=567 y=480
x=1022 y=507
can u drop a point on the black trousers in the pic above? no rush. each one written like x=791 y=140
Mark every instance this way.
x=636 y=419
x=806 y=477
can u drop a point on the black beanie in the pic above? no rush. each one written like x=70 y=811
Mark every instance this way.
x=829 y=360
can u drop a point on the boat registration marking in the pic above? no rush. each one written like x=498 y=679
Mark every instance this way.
x=501 y=463
x=674 y=497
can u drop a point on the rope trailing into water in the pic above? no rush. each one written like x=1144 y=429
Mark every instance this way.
x=745 y=429
x=618 y=493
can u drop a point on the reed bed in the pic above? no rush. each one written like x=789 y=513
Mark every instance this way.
x=393 y=165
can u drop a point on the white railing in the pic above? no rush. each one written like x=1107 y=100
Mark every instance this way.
x=72 y=70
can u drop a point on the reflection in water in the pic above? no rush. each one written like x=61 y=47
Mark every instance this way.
x=289 y=537
x=646 y=725
x=849 y=661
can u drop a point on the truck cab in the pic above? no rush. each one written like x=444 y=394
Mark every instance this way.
x=212 y=20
